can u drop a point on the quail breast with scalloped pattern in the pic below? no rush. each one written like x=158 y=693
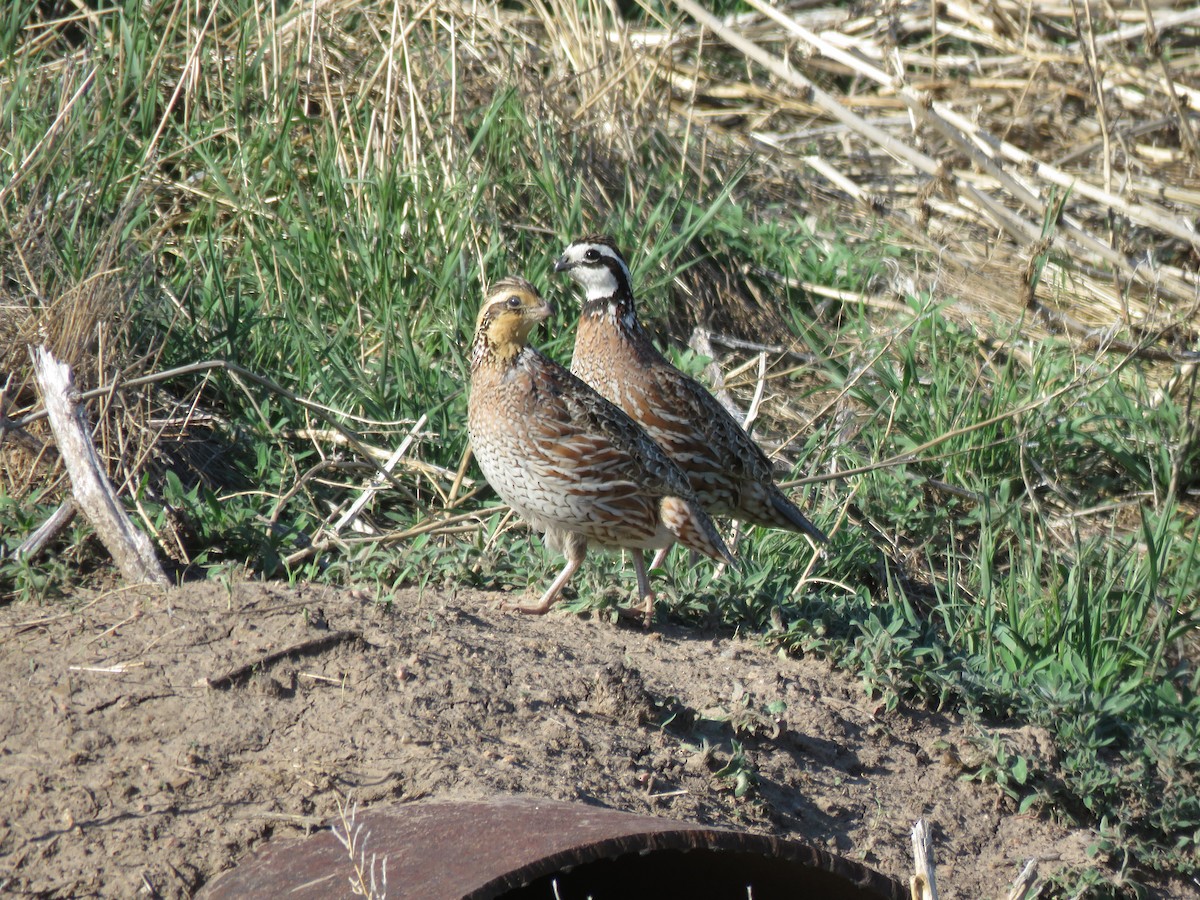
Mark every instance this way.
x=568 y=461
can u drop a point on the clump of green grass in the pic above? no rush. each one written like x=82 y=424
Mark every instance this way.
x=317 y=207
x=1041 y=568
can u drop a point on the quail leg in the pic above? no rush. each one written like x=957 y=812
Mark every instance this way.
x=644 y=592
x=575 y=549
x=660 y=556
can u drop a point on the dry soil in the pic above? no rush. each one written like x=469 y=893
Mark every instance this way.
x=150 y=739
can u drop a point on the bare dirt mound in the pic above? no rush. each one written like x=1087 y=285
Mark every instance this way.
x=152 y=738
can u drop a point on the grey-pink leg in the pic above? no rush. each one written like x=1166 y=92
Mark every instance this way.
x=644 y=592
x=575 y=549
x=660 y=557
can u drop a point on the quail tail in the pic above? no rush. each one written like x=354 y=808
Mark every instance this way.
x=789 y=516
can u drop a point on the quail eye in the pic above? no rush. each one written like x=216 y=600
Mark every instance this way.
x=514 y=302
x=592 y=254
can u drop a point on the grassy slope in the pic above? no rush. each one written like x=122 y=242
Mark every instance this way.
x=292 y=198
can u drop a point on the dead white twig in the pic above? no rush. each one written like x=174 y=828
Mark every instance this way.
x=131 y=549
x=36 y=542
x=1026 y=885
x=377 y=482
x=923 y=884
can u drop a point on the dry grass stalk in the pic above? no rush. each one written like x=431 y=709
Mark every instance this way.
x=1026 y=885
x=988 y=168
x=364 y=882
x=923 y=884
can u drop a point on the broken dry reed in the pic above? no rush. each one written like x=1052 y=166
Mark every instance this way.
x=923 y=883
x=132 y=551
x=1119 y=252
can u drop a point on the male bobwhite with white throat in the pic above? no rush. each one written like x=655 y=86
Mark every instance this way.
x=568 y=461
x=728 y=471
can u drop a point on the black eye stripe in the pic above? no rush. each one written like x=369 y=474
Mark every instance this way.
x=596 y=259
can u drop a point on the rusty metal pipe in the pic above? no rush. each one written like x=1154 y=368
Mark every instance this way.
x=524 y=847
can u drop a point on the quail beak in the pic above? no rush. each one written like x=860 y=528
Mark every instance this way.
x=544 y=312
x=562 y=264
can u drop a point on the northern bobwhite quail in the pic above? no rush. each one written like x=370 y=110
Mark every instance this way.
x=568 y=461
x=728 y=471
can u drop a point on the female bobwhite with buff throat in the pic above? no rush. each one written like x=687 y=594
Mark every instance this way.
x=568 y=461
x=727 y=470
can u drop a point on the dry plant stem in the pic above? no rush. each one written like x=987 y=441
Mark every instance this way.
x=378 y=454
x=282 y=500
x=736 y=343
x=48 y=136
x=820 y=290
x=1092 y=63
x=921 y=162
x=1131 y=131
x=924 y=883
x=236 y=372
x=756 y=400
x=116 y=669
x=1099 y=342
x=45 y=533
x=699 y=341
x=437 y=525
x=239 y=674
x=130 y=548
x=449 y=525
x=899 y=149
x=959 y=130
x=46 y=620
x=1149 y=214
x=1025 y=883
x=843 y=183
x=7 y=426
x=1137 y=30
x=168 y=111
x=353 y=837
x=984 y=149
x=370 y=490
x=460 y=475
x=1183 y=120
